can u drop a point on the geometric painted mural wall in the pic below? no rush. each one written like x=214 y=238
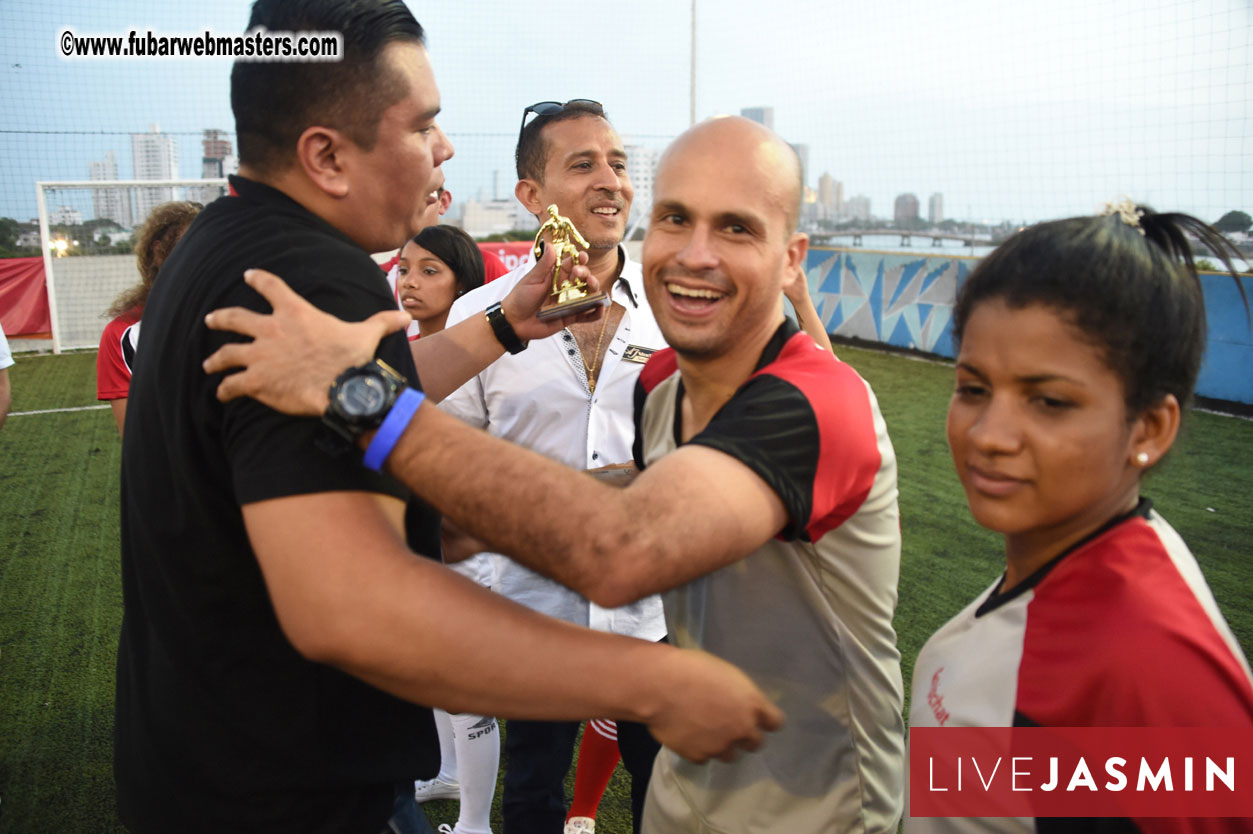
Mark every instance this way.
x=907 y=301
x=900 y=299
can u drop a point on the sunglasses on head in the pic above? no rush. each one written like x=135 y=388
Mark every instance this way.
x=552 y=108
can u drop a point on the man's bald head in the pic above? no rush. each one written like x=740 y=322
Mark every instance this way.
x=722 y=239
x=755 y=145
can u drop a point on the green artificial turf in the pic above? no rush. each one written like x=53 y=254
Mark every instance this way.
x=60 y=599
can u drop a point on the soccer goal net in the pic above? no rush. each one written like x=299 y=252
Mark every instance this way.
x=87 y=232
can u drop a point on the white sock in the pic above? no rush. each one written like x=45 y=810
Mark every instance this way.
x=477 y=739
x=447 y=749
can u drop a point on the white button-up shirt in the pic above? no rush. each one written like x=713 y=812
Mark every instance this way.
x=6 y=358
x=539 y=399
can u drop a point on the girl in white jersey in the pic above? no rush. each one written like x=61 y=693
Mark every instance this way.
x=1079 y=343
x=438 y=266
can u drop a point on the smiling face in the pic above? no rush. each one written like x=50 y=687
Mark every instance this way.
x=1039 y=431
x=425 y=284
x=720 y=240
x=585 y=176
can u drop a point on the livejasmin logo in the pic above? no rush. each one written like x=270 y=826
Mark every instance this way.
x=1080 y=771
x=1020 y=774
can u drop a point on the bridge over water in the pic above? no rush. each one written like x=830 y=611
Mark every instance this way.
x=906 y=237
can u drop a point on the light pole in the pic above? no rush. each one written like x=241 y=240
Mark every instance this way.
x=692 y=97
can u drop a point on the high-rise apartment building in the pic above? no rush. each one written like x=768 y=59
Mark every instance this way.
x=217 y=148
x=906 y=208
x=831 y=195
x=480 y=218
x=857 y=208
x=155 y=157
x=217 y=162
x=641 y=168
x=65 y=216
x=802 y=151
x=935 y=208
x=760 y=115
x=109 y=203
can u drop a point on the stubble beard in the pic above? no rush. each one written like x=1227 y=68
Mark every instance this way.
x=600 y=244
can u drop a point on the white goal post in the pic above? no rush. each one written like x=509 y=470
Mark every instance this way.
x=81 y=287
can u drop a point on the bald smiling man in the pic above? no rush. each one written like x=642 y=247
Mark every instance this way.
x=768 y=483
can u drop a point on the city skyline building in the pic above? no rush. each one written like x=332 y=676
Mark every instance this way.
x=857 y=208
x=935 y=208
x=760 y=115
x=831 y=195
x=802 y=152
x=155 y=157
x=481 y=218
x=65 y=216
x=812 y=212
x=218 y=161
x=217 y=148
x=905 y=208
x=641 y=169
x=109 y=203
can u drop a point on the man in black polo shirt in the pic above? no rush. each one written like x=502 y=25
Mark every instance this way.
x=277 y=630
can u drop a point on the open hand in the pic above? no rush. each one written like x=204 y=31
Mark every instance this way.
x=711 y=709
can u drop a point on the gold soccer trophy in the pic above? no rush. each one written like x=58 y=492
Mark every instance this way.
x=571 y=296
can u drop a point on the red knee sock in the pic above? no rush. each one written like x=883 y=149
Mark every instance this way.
x=598 y=756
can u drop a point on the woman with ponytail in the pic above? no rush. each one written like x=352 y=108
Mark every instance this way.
x=1080 y=342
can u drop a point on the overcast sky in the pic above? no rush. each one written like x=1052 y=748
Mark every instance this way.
x=1010 y=110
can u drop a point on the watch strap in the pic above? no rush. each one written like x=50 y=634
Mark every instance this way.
x=505 y=334
x=393 y=427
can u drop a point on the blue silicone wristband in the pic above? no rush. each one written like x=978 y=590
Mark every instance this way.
x=393 y=427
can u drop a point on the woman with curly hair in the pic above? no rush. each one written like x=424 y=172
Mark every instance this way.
x=154 y=243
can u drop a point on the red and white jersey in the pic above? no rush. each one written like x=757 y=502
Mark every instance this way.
x=808 y=615
x=116 y=358
x=1119 y=631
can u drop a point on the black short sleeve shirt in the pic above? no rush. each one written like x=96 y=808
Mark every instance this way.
x=220 y=723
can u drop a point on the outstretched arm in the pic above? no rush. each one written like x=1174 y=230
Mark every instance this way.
x=119 y=413
x=453 y=356
x=348 y=593
x=690 y=513
x=294 y=347
x=695 y=510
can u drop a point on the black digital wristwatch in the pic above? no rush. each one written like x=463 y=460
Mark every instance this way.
x=361 y=397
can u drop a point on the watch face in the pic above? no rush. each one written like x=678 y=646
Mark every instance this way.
x=362 y=396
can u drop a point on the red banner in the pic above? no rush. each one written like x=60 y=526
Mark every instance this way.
x=513 y=253
x=24 y=298
x=1081 y=772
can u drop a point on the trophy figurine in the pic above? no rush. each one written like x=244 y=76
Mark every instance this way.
x=570 y=296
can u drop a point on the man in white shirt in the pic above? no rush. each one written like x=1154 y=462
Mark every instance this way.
x=6 y=360
x=568 y=397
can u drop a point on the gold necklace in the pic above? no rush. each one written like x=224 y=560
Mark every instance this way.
x=591 y=369
x=591 y=381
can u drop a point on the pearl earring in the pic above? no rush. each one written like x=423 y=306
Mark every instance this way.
x=1142 y=459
